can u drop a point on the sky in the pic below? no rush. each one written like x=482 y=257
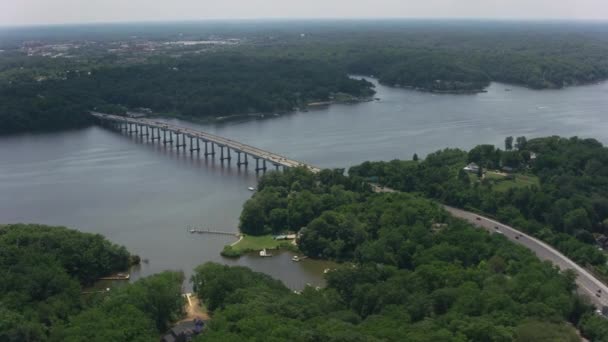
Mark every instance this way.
x=39 y=12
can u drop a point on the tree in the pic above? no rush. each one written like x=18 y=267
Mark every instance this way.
x=576 y=219
x=509 y=143
x=415 y=158
x=463 y=177
x=521 y=143
x=253 y=218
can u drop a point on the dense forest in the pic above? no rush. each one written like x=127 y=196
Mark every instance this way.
x=44 y=272
x=411 y=272
x=209 y=86
x=280 y=66
x=566 y=206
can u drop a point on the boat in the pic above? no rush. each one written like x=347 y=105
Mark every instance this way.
x=295 y=258
x=326 y=270
x=251 y=188
x=264 y=253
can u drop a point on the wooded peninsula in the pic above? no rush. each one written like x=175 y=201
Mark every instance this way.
x=275 y=68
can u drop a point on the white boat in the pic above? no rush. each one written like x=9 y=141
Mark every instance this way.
x=326 y=270
x=251 y=188
x=264 y=253
x=295 y=258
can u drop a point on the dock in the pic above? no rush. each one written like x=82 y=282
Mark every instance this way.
x=117 y=276
x=210 y=231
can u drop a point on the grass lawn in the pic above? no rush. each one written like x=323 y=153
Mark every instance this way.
x=520 y=181
x=250 y=243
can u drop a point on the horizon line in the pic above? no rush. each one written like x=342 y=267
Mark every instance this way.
x=277 y=19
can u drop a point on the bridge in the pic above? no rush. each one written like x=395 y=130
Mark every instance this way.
x=164 y=133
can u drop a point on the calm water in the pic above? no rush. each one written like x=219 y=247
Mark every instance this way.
x=143 y=195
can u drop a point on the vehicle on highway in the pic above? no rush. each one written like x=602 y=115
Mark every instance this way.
x=478 y=218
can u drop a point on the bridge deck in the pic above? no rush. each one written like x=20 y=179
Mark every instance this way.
x=255 y=152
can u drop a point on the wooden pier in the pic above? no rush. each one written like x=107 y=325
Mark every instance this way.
x=209 y=231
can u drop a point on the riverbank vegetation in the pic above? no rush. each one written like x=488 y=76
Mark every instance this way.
x=210 y=86
x=568 y=207
x=418 y=275
x=281 y=66
x=43 y=272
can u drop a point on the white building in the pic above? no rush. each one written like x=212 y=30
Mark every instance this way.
x=472 y=167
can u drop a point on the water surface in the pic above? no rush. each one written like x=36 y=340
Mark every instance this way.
x=144 y=195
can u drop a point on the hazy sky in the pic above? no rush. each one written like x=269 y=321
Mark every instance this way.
x=20 y=12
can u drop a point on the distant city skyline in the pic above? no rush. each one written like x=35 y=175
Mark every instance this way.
x=40 y=12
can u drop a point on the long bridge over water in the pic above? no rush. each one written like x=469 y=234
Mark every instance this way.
x=165 y=133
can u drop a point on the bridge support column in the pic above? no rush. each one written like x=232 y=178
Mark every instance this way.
x=222 y=157
x=157 y=136
x=238 y=160
x=207 y=153
x=192 y=148
x=257 y=164
x=183 y=144
x=164 y=137
x=276 y=166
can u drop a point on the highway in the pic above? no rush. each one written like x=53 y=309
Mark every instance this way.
x=588 y=285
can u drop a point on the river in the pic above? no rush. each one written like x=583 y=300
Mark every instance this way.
x=143 y=195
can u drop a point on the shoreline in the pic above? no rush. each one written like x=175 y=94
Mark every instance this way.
x=234 y=117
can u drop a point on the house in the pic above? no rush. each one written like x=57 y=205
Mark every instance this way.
x=472 y=167
x=184 y=331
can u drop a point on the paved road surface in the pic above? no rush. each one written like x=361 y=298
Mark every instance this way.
x=221 y=141
x=588 y=284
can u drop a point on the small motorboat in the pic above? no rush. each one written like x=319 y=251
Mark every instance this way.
x=251 y=188
x=295 y=258
x=326 y=270
x=264 y=253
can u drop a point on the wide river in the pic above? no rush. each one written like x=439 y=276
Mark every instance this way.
x=143 y=195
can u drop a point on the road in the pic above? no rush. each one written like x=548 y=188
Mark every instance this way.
x=588 y=285
x=216 y=139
